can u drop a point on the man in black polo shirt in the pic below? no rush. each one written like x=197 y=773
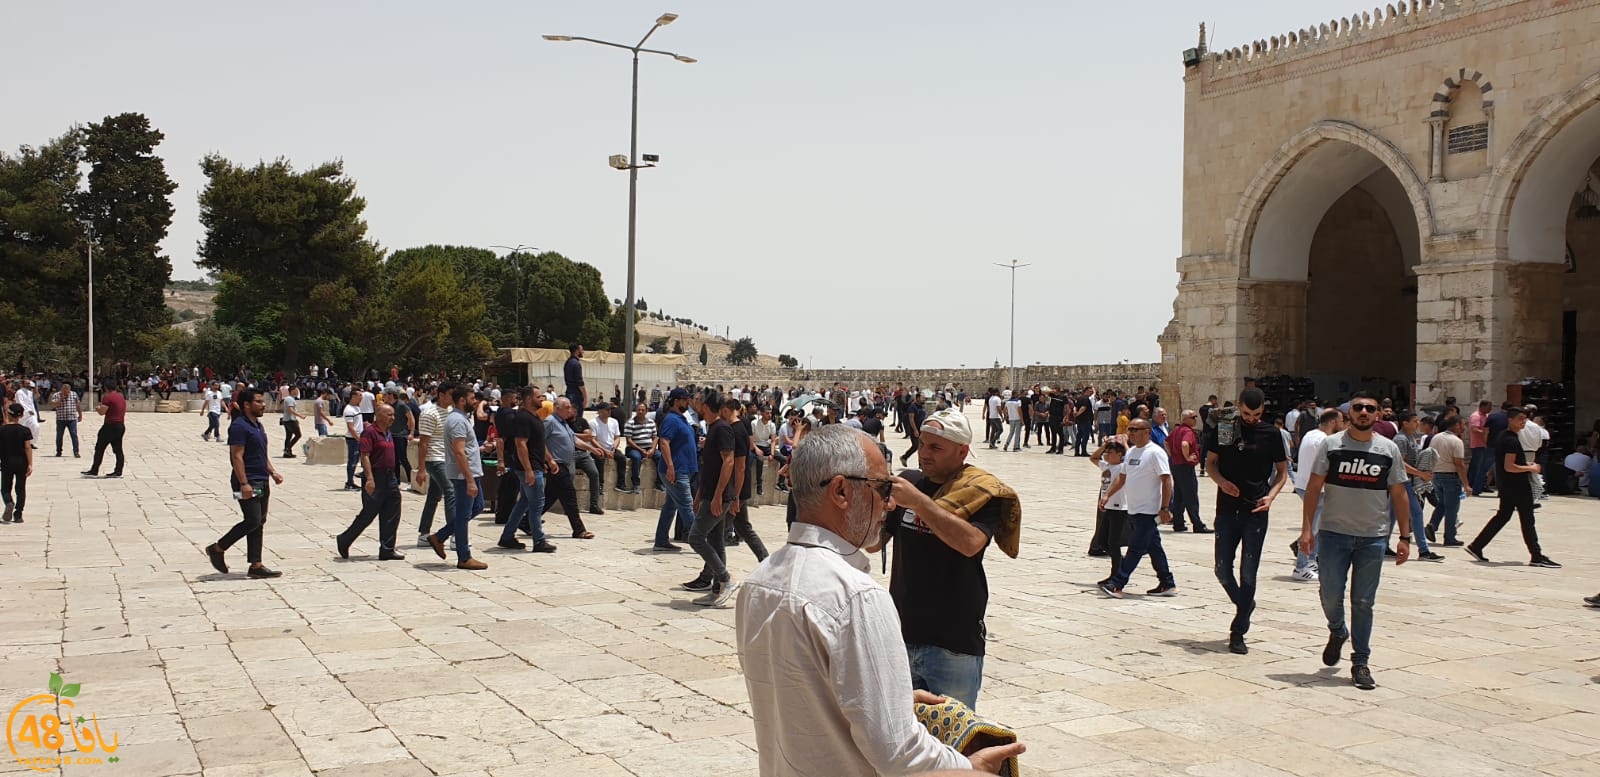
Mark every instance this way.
x=1512 y=477
x=247 y=477
x=1249 y=470
x=572 y=373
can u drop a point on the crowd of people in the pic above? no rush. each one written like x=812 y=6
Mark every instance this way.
x=811 y=618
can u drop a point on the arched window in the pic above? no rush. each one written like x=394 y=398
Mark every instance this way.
x=1463 y=126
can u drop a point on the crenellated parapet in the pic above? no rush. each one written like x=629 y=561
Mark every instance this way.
x=1322 y=37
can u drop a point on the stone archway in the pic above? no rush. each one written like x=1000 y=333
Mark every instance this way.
x=1541 y=210
x=1327 y=239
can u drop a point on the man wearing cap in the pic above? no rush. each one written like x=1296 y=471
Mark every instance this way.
x=947 y=513
x=679 y=463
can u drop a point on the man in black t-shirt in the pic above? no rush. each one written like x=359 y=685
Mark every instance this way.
x=1511 y=472
x=1083 y=422
x=718 y=496
x=527 y=465
x=1249 y=475
x=937 y=579
x=739 y=527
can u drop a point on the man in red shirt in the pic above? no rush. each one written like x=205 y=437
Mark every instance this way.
x=115 y=409
x=1183 y=449
x=380 y=496
x=1482 y=455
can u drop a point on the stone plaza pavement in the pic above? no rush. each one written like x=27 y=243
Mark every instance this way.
x=589 y=662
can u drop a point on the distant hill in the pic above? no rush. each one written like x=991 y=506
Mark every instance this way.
x=717 y=347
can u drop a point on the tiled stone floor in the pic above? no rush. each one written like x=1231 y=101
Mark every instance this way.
x=588 y=662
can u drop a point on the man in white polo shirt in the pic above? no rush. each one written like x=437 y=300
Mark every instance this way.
x=1147 y=479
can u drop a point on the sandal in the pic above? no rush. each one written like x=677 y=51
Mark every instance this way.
x=583 y=535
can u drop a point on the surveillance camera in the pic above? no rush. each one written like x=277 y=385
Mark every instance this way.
x=619 y=161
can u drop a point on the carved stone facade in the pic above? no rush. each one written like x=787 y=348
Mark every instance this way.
x=1391 y=201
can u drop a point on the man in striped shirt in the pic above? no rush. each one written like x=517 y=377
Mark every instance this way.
x=431 y=445
x=67 y=417
x=641 y=434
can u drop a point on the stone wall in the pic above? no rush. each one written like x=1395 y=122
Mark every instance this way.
x=1288 y=124
x=1128 y=376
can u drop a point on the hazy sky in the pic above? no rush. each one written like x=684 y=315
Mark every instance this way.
x=837 y=178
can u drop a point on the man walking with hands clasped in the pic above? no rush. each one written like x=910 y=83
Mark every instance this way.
x=1355 y=477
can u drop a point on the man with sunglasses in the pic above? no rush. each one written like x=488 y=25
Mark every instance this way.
x=1356 y=476
x=937 y=577
x=819 y=639
x=1250 y=473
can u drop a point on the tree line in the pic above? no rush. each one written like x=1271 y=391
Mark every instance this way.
x=298 y=279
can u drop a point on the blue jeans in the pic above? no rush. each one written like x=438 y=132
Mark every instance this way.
x=680 y=502
x=322 y=430
x=1185 y=496
x=1143 y=538
x=1478 y=468
x=438 y=489
x=1447 y=490
x=946 y=673
x=529 y=507
x=635 y=459
x=1012 y=443
x=1419 y=538
x=1237 y=526
x=67 y=426
x=1304 y=560
x=460 y=517
x=212 y=429
x=352 y=450
x=1361 y=560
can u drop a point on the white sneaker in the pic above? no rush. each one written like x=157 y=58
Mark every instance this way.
x=1305 y=575
x=422 y=541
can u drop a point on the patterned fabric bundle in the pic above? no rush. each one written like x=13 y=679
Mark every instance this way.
x=959 y=727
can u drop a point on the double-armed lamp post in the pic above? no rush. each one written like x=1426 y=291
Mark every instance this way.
x=632 y=165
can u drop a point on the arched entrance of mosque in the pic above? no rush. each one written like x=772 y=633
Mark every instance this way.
x=1337 y=238
x=1552 y=186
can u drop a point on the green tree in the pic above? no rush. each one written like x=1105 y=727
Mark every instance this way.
x=294 y=241
x=426 y=311
x=641 y=304
x=42 y=261
x=562 y=302
x=743 y=351
x=785 y=360
x=677 y=346
x=128 y=210
x=220 y=347
x=659 y=344
x=705 y=356
x=617 y=325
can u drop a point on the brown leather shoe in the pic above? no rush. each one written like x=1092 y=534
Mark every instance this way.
x=438 y=544
x=472 y=563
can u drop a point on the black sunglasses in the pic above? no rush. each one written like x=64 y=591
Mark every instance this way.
x=1363 y=408
x=883 y=486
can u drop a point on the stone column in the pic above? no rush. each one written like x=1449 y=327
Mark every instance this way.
x=1484 y=324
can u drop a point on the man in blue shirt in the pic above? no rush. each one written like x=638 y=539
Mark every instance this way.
x=679 y=460
x=247 y=478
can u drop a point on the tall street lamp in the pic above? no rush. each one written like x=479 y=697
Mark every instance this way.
x=631 y=164
x=88 y=229
x=1013 y=267
x=516 y=299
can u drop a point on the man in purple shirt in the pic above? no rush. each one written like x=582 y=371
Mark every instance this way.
x=380 y=497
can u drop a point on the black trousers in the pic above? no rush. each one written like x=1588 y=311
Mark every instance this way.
x=1519 y=500
x=561 y=488
x=1080 y=446
x=506 y=495
x=249 y=528
x=14 y=488
x=383 y=504
x=402 y=454
x=110 y=435
x=994 y=427
x=291 y=435
x=1110 y=535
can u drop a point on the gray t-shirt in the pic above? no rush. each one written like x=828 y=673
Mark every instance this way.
x=458 y=426
x=1355 y=494
x=560 y=441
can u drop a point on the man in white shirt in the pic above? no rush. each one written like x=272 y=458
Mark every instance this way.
x=431 y=417
x=1578 y=463
x=1014 y=418
x=819 y=639
x=1329 y=423
x=211 y=408
x=367 y=400
x=991 y=417
x=1533 y=437
x=354 y=425
x=1147 y=477
x=606 y=433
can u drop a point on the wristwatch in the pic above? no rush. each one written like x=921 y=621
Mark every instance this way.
x=1406 y=538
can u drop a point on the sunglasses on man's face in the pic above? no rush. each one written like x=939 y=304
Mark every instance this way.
x=1363 y=408
x=883 y=486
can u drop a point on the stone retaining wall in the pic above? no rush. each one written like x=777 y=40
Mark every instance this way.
x=1128 y=376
